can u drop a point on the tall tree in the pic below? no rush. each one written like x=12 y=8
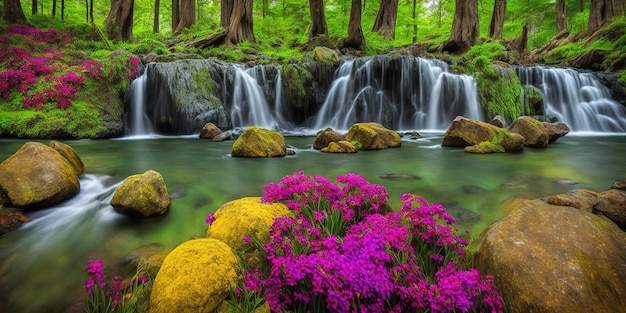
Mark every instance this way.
x=13 y=12
x=497 y=19
x=318 y=19
x=226 y=9
x=385 y=23
x=186 y=15
x=155 y=24
x=33 y=9
x=561 y=15
x=600 y=14
x=355 y=37
x=240 y=27
x=119 y=22
x=619 y=7
x=465 y=30
x=175 y=13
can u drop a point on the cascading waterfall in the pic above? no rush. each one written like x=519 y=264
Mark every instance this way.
x=402 y=93
x=577 y=99
x=138 y=122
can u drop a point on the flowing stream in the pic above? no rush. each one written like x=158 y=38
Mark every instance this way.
x=42 y=264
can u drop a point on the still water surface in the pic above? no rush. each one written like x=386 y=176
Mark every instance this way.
x=42 y=264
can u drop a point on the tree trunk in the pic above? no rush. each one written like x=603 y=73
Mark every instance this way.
x=54 y=8
x=561 y=15
x=90 y=11
x=355 y=38
x=414 y=21
x=62 y=10
x=240 y=26
x=186 y=15
x=465 y=30
x=175 y=14
x=521 y=43
x=33 y=9
x=226 y=9
x=155 y=24
x=385 y=23
x=619 y=7
x=119 y=22
x=497 y=19
x=600 y=14
x=13 y=12
x=318 y=19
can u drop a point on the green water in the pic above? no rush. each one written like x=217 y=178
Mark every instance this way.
x=42 y=264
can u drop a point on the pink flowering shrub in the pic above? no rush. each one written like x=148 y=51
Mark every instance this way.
x=111 y=297
x=342 y=253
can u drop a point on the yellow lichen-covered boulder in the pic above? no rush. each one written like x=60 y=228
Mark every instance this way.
x=325 y=137
x=245 y=217
x=534 y=132
x=142 y=195
x=259 y=143
x=464 y=132
x=37 y=176
x=373 y=136
x=70 y=155
x=548 y=258
x=340 y=147
x=195 y=277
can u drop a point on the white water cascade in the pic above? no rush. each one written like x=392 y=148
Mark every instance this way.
x=404 y=94
x=577 y=99
x=138 y=123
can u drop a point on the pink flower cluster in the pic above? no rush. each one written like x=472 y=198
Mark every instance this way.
x=405 y=261
x=96 y=285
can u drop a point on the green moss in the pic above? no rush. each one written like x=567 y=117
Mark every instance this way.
x=622 y=76
x=296 y=78
x=491 y=50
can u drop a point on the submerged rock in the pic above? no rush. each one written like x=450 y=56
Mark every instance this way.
x=37 y=176
x=259 y=143
x=195 y=277
x=142 y=195
x=534 y=133
x=485 y=138
x=373 y=136
x=548 y=258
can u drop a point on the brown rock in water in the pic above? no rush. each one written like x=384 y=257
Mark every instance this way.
x=555 y=130
x=548 y=258
x=142 y=195
x=259 y=143
x=11 y=220
x=464 y=132
x=581 y=199
x=325 y=137
x=209 y=131
x=340 y=147
x=37 y=176
x=612 y=204
x=534 y=133
x=373 y=136
x=70 y=155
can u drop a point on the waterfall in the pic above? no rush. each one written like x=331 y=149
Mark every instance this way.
x=138 y=122
x=577 y=99
x=399 y=93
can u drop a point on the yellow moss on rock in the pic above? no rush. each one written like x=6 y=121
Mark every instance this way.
x=245 y=217
x=373 y=136
x=259 y=143
x=195 y=277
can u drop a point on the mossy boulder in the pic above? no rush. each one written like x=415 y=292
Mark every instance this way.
x=259 y=143
x=325 y=55
x=340 y=147
x=548 y=258
x=487 y=138
x=70 y=155
x=142 y=195
x=245 y=217
x=555 y=130
x=325 y=137
x=373 y=136
x=195 y=277
x=37 y=176
x=534 y=133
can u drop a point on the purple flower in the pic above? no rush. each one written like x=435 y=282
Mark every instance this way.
x=210 y=219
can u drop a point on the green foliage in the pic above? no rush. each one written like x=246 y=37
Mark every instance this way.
x=622 y=76
x=491 y=50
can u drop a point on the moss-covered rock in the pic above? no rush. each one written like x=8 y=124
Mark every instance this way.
x=325 y=55
x=37 y=176
x=245 y=217
x=340 y=147
x=373 y=136
x=581 y=199
x=548 y=258
x=195 y=277
x=464 y=132
x=70 y=155
x=259 y=143
x=534 y=133
x=142 y=195
x=325 y=137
